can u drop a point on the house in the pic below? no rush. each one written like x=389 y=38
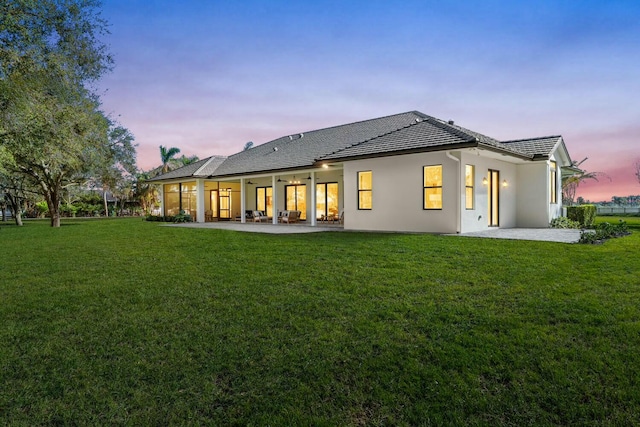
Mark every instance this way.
x=405 y=172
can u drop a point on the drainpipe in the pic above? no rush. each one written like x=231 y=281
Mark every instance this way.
x=458 y=203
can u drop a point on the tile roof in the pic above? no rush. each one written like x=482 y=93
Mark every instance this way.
x=303 y=149
x=201 y=168
x=400 y=133
x=536 y=147
x=427 y=134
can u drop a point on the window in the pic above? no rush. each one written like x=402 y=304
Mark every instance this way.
x=264 y=200
x=432 y=187
x=365 y=187
x=171 y=199
x=469 y=183
x=553 y=181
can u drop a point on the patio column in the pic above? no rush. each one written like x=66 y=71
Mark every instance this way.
x=313 y=199
x=161 y=197
x=274 y=190
x=200 y=200
x=243 y=217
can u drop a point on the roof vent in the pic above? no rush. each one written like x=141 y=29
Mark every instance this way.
x=275 y=148
x=450 y=122
x=290 y=137
x=418 y=120
x=301 y=135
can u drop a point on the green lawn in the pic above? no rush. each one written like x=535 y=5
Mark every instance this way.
x=129 y=322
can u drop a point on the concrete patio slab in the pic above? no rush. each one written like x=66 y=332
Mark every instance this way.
x=538 y=234
x=253 y=227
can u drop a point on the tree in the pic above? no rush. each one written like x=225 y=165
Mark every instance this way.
x=184 y=160
x=50 y=124
x=115 y=174
x=167 y=157
x=637 y=170
x=571 y=183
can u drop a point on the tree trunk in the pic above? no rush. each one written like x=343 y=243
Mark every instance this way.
x=52 y=196
x=14 y=206
x=104 y=199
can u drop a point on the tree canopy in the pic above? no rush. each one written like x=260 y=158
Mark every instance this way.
x=51 y=126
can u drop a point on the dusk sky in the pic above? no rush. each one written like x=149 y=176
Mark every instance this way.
x=208 y=76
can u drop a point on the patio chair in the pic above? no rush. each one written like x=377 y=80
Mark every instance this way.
x=259 y=216
x=292 y=216
x=208 y=216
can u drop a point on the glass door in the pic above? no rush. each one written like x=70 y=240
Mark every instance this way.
x=327 y=200
x=296 y=196
x=264 y=200
x=494 y=198
x=225 y=203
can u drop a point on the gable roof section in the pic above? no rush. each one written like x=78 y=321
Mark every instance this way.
x=303 y=150
x=428 y=134
x=541 y=147
x=200 y=169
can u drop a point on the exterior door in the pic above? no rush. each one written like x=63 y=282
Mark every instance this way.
x=297 y=199
x=327 y=200
x=494 y=198
x=225 y=203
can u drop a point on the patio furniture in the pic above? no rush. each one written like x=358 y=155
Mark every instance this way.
x=208 y=216
x=259 y=216
x=290 y=216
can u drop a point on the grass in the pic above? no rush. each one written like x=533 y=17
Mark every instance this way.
x=128 y=322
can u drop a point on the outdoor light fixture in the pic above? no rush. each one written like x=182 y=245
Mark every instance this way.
x=485 y=181
x=325 y=166
x=250 y=183
x=309 y=177
x=505 y=183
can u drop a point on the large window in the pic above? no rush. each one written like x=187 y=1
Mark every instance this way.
x=297 y=199
x=432 y=187
x=171 y=199
x=553 y=181
x=188 y=202
x=365 y=188
x=264 y=200
x=469 y=184
x=180 y=197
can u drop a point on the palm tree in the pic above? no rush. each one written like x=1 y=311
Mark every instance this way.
x=570 y=183
x=167 y=157
x=184 y=160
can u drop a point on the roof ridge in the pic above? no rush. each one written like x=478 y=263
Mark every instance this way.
x=348 y=124
x=415 y=122
x=456 y=130
x=206 y=162
x=530 y=139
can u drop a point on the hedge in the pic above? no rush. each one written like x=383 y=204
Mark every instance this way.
x=584 y=214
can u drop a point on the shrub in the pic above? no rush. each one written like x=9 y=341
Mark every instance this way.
x=604 y=231
x=584 y=214
x=564 y=222
x=181 y=217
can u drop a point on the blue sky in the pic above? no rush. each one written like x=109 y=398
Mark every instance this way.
x=208 y=76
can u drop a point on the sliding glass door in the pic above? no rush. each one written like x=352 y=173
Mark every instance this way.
x=327 y=200
x=296 y=199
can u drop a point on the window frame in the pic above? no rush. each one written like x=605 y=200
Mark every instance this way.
x=553 y=182
x=365 y=190
x=426 y=187
x=471 y=187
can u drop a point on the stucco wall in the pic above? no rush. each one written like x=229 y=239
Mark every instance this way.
x=397 y=196
x=533 y=195
x=477 y=219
